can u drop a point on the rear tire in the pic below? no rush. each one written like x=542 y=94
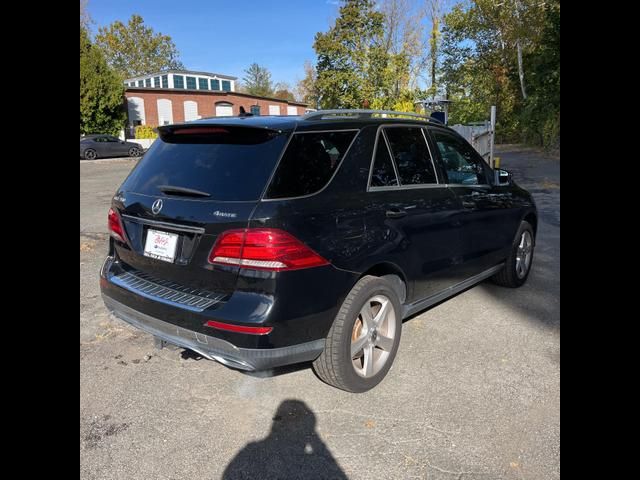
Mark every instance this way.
x=134 y=152
x=518 y=264
x=90 y=154
x=364 y=338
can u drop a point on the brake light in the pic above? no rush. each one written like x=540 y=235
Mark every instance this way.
x=115 y=225
x=238 y=328
x=199 y=131
x=263 y=249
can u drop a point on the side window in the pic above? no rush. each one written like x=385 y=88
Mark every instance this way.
x=309 y=163
x=411 y=155
x=383 y=174
x=461 y=162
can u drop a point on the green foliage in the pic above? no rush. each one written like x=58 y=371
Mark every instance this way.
x=257 y=81
x=146 y=131
x=480 y=67
x=351 y=57
x=134 y=49
x=101 y=92
x=367 y=59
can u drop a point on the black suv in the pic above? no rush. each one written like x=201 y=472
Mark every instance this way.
x=265 y=241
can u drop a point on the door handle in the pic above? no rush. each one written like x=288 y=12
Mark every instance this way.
x=395 y=213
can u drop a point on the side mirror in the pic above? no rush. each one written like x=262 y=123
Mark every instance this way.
x=503 y=177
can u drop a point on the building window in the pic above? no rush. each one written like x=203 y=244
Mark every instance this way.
x=147 y=82
x=255 y=110
x=226 y=86
x=178 y=81
x=156 y=82
x=140 y=83
x=203 y=84
x=274 y=110
x=165 y=81
x=191 y=83
x=215 y=84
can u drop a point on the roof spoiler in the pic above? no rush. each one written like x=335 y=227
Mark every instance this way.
x=216 y=133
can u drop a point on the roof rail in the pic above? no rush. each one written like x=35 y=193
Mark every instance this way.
x=358 y=113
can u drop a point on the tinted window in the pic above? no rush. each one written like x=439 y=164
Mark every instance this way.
x=461 y=162
x=230 y=164
x=308 y=163
x=411 y=155
x=383 y=174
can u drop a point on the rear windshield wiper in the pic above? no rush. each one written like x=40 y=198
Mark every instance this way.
x=183 y=191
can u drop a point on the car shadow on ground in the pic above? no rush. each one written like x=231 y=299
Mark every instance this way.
x=293 y=449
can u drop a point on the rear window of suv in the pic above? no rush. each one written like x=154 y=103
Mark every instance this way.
x=229 y=163
x=309 y=162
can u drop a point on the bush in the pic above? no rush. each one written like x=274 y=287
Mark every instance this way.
x=146 y=131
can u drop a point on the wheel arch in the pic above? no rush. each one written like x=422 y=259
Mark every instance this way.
x=383 y=269
x=532 y=219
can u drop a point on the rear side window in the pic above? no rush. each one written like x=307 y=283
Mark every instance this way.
x=411 y=155
x=309 y=163
x=383 y=174
x=231 y=164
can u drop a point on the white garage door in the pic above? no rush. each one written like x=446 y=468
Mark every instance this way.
x=274 y=110
x=165 y=115
x=135 y=106
x=292 y=110
x=224 y=111
x=190 y=110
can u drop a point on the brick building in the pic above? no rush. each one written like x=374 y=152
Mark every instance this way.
x=178 y=96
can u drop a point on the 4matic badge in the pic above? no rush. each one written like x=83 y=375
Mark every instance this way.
x=218 y=213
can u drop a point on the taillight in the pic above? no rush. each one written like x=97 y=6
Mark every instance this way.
x=115 y=225
x=263 y=249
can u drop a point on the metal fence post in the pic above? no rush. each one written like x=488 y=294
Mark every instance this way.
x=493 y=134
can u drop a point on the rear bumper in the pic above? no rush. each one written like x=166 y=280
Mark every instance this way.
x=215 y=348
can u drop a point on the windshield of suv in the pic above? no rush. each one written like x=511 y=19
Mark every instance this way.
x=229 y=164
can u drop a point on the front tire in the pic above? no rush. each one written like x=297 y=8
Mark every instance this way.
x=134 y=152
x=364 y=338
x=518 y=264
x=90 y=154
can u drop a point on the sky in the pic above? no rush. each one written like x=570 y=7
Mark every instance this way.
x=226 y=36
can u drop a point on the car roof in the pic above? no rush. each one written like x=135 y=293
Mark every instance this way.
x=300 y=123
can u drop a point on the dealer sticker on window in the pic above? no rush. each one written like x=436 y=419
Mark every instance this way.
x=161 y=245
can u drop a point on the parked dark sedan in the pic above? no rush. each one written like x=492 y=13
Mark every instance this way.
x=101 y=146
x=265 y=241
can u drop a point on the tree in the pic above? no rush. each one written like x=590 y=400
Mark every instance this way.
x=85 y=18
x=101 y=91
x=257 y=81
x=134 y=49
x=283 y=91
x=403 y=42
x=352 y=59
x=435 y=7
x=306 y=89
x=503 y=54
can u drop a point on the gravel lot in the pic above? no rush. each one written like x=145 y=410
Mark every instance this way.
x=473 y=394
